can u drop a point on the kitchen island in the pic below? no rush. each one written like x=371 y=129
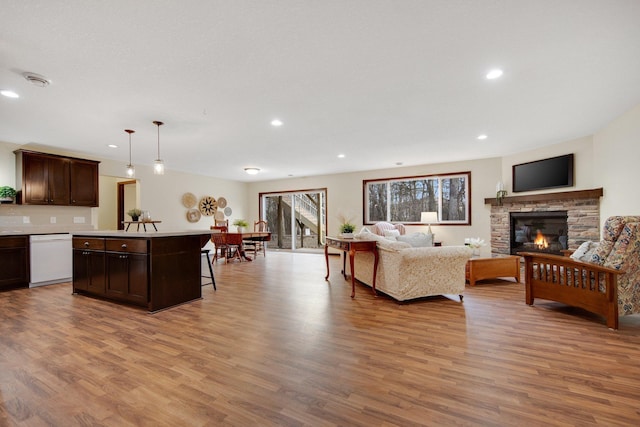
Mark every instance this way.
x=154 y=270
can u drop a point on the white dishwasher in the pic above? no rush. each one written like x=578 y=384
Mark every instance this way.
x=51 y=259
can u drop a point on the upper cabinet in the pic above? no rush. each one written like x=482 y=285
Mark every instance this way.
x=84 y=182
x=47 y=179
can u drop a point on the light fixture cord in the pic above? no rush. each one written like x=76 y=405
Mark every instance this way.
x=129 y=149
x=158 y=141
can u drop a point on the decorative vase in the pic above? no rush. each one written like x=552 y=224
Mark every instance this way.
x=240 y=229
x=134 y=218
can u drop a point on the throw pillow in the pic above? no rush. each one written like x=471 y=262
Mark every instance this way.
x=417 y=240
x=391 y=234
x=584 y=251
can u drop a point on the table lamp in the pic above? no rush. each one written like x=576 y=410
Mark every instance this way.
x=429 y=218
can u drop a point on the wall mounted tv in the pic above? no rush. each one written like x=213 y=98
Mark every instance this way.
x=541 y=174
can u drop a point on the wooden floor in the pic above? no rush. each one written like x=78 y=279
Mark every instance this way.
x=277 y=345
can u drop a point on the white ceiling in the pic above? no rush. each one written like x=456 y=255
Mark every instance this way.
x=382 y=82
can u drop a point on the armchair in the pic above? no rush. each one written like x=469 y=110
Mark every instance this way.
x=608 y=284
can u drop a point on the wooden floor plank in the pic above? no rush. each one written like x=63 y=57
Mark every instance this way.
x=278 y=345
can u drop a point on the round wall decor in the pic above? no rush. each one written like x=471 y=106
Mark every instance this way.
x=193 y=215
x=222 y=202
x=189 y=200
x=227 y=211
x=219 y=216
x=208 y=205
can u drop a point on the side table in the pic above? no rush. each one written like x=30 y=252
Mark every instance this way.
x=351 y=246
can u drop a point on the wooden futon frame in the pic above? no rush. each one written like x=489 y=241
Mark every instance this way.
x=579 y=284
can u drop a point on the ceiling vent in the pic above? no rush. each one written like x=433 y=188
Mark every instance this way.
x=37 y=79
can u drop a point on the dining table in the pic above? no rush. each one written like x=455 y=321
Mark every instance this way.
x=239 y=238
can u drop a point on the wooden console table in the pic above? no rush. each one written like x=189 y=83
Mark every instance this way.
x=489 y=268
x=351 y=246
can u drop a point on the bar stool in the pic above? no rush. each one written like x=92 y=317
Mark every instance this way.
x=213 y=280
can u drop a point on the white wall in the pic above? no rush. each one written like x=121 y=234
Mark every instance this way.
x=7 y=165
x=616 y=161
x=608 y=159
x=344 y=196
x=160 y=195
x=582 y=148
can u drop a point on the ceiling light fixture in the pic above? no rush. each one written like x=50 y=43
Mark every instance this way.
x=9 y=94
x=131 y=171
x=158 y=164
x=252 y=171
x=494 y=74
x=112 y=146
x=341 y=156
x=37 y=79
x=481 y=137
x=276 y=122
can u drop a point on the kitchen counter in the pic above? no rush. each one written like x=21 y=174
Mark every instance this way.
x=144 y=234
x=154 y=270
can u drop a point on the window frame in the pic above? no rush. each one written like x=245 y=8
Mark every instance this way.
x=440 y=177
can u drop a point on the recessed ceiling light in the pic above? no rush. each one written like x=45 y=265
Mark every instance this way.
x=252 y=171
x=9 y=94
x=112 y=146
x=341 y=156
x=398 y=163
x=494 y=74
x=276 y=122
x=482 y=137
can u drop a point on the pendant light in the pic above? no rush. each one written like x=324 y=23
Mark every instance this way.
x=158 y=164
x=131 y=171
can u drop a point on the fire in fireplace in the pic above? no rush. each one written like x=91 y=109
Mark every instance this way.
x=544 y=231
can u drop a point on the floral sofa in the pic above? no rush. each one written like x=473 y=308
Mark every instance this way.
x=603 y=278
x=406 y=272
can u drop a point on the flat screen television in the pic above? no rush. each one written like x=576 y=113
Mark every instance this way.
x=541 y=174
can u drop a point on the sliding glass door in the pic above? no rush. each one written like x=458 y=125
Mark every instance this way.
x=296 y=219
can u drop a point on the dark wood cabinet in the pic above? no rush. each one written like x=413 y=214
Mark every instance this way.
x=47 y=179
x=84 y=182
x=151 y=270
x=116 y=269
x=88 y=265
x=127 y=270
x=14 y=253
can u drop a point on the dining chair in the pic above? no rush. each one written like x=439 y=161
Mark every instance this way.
x=227 y=245
x=221 y=223
x=256 y=246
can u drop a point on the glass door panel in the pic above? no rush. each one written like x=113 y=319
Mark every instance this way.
x=297 y=220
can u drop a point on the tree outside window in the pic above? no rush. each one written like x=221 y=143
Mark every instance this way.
x=402 y=200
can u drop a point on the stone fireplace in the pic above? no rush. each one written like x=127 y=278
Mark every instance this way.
x=580 y=208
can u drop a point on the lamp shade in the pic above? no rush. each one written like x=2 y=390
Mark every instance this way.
x=428 y=217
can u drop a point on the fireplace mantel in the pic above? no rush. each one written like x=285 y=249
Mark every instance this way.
x=564 y=195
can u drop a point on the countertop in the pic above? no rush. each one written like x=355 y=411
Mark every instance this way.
x=145 y=234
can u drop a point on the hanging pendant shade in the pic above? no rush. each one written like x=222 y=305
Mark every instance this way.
x=131 y=171
x=158 y=164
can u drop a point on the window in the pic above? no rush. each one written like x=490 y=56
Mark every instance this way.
x=404 y=199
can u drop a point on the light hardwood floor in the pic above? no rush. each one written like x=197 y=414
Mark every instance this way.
x=277 y=345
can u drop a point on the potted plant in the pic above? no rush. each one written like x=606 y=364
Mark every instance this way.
x=346 y=226
x=134 y=214
x=241 y=224
x=347 y=229
x=7 y=194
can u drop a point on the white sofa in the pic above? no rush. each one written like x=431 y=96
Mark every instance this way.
x=405 y=272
